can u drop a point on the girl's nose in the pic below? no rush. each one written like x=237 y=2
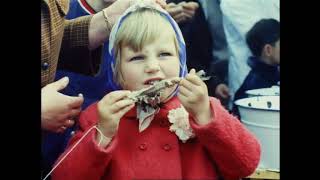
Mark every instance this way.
x=152 y=66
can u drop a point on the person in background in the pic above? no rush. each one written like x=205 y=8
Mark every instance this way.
x=81 y=34
x=91 y=87
x=219 y=50
x=200 y=43
x=238 y=19
x=263 y=40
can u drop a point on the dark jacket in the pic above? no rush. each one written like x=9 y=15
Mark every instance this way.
x=199 y=44
x=261 y=76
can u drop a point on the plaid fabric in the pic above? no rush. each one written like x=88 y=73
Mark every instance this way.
x=54 y=29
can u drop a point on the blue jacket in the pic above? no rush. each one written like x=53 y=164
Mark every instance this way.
x=261 y=76
x=92 y=88
x=77 y=10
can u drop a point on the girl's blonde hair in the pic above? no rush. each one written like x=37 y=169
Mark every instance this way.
x=140 y=28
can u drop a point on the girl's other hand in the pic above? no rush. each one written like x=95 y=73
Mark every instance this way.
x=193 y=95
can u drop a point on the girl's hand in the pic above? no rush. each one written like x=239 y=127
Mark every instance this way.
x=193 y=95
x=110 y=110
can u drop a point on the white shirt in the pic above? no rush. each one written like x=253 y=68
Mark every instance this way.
x=238 y=18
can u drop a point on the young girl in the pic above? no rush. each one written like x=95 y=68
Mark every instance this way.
x=188 y=135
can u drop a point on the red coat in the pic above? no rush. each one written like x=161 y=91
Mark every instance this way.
x=223 y=147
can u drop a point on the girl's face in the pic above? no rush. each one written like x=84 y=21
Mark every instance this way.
x=156 y=61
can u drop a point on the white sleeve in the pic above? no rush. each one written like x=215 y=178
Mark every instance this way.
x=244 y=14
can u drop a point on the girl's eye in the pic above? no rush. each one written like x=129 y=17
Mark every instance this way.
x=136 y=58
x=165 y=54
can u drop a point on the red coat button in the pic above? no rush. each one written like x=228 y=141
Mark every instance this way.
x=143 y=146
x=167 y=147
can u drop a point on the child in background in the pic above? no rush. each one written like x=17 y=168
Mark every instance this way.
x=188 y=135
x=263 y=40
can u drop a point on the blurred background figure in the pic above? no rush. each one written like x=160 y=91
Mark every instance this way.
x=93 y=88
x=238 y=18
x=263 y=40
x=220 y=53
x=202 y=29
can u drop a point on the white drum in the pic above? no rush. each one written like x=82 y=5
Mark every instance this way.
x=272 y=91
x=261 y=115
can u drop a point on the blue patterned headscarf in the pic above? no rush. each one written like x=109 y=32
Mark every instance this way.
x=110 y=57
